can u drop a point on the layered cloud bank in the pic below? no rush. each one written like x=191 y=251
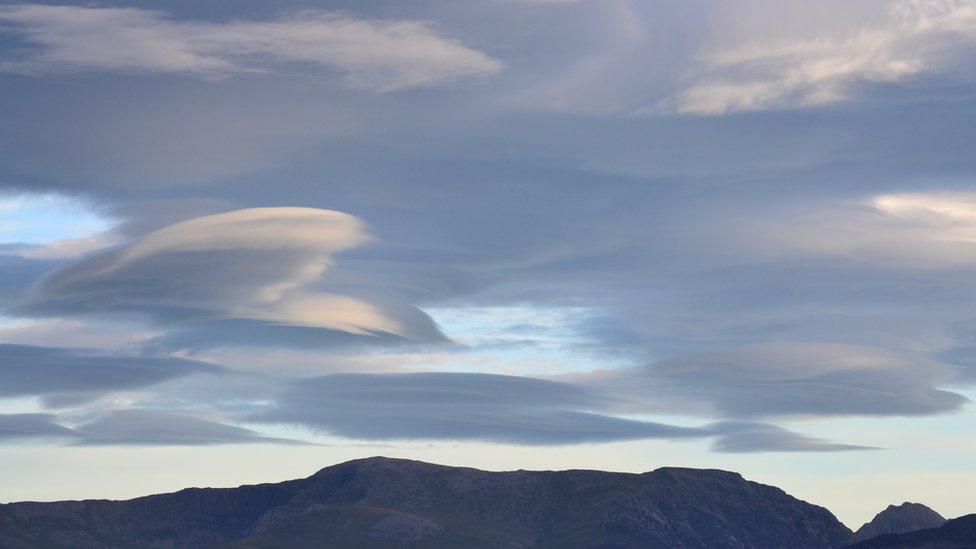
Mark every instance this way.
x=792 y=379
x=259 y=277
x=82 y=375
x=714 y=224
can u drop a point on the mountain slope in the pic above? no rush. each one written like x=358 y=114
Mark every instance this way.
x=381 y=502
x=899 y=519
x=957 y=533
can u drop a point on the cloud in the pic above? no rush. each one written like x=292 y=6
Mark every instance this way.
x=247 y=340
x=66 y=248
x=548 y=2
x=17 y=275
x=31 y=426
x=380 y=55
x=154 y=428
x=241 y=265
x=820 y=65
x=745 y=437
x=145 y=427
x=55 y=373
x=120 y=334
x=929 y=230
x=130 y=427
x=496 y=408
x=965 y=359
x=790 y=379
x=453 y=406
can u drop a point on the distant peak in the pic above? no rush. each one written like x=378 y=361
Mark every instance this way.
x=900 y=519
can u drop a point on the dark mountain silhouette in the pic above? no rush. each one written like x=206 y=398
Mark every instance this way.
x=899 y=519
x=957 y=533
x=380 y=502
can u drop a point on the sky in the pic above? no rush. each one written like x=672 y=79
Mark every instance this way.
x=241 y=241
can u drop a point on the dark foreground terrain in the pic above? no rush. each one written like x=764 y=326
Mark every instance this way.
x=380 y=502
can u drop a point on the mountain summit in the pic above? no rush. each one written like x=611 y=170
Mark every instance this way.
x=958 y=533
x=381 y=502
x=899 y=519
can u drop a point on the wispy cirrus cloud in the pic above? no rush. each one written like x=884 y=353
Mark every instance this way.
x=379 y=55
x=826 y=65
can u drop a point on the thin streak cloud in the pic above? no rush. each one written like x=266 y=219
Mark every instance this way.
x=760 y=73
x=378 y=55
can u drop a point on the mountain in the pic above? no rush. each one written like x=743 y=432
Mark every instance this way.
x=898 y=519
x=381 y=502
x=957 y=533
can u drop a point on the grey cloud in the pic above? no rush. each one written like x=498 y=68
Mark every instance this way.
x=410 y=280
x=202 y=335
x=518 y=410
x=31 y=426
x=18 y=274
x=792 y=379
x=964 y=358
x=455 y=406
x=746 y=437
x=131 y=427
x=155 y=428
x=80 y=375
x=198 y=135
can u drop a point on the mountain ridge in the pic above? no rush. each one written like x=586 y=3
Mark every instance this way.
x=385 y=502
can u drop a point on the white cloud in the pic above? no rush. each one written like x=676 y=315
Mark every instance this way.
x=951 y=217
x=318 y=232
x=252 y=264
x=927 y=230
x=826 y=65
x=306 y=236
x=338 y=312
x=381 y=55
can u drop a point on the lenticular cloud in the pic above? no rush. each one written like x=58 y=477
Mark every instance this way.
x=250 y=264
